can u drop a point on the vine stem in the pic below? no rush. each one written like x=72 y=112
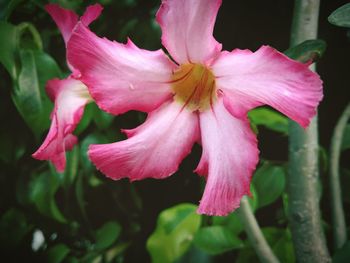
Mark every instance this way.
x=338 y=218
x=302 y=183
x=254 y=233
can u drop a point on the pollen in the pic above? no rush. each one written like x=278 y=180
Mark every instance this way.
x=194 y=86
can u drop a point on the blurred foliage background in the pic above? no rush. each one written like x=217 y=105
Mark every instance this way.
x=79 y=215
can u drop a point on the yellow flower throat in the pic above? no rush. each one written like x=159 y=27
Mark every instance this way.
x=194 y=86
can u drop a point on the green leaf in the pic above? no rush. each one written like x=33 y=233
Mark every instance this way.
x=13 y=228
x=342 y=255
x=9 y=44
x=176 y=227
x=269 y=182
x=72 y=167
x=216 y=240
x=307 y=50
x=280 y=242
x=6 y=8
x=86 y=119
x=341 y=16
x=270 y=119
x=57 y=253
x=346 y=138
x=42 y=189
x=232 y=222
x=29 y=93
x=102 y=119
x=107 y=235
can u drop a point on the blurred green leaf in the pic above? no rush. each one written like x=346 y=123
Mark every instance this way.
x=216 y=240
x=346 y=138
x=342 y=255
x=176 y=227
x=269 y=182
x=307 y=50
x=29 y=93
x=86 y=119
x=43 y=188
x=9 y=44
x=6 y=8
x=107 y=235
x=93 y=138
x=270 y=119
x=72 y=166
x=102 y=119
x=341 y=16
x=280 y=242
x=57 y=253
x=232 y=222
x=195 y=255
x=13 y=228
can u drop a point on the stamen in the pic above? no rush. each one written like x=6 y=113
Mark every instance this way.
x=194 y=86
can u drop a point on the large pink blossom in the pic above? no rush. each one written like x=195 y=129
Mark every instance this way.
x=201 y=95
x=69 y=95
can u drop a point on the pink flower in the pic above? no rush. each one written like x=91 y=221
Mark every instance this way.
x=69 y=95
x=203 y=97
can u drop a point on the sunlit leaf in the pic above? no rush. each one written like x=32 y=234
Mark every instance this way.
x=217 y=239
x=176 y=227
x=269 y=182
x=309 y=50
x=270 y=119
x=341 y=16
x=107 y=235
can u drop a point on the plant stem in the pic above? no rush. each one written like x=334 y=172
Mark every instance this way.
x=302 y=183
x=254 y=233
x=338 y=218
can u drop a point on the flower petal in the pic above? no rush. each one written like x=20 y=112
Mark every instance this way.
x=120 y=77
x=70 y=97
x=187 y=29
x=92 y=12
x=229 y=157
x=154 y=149
x=267 y=76
x=66 y=19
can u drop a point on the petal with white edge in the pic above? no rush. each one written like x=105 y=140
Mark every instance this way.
x=187 y=29
x=250 y=79
x=120 y=77
x=70 y=97
x=154 y=149
x=229 y=157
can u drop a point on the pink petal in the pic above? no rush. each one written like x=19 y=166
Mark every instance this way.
x=120 y=77
x=66 y=19
x=70 y=97
x=229 y=158
x=267 y=76
x=187 y=29
x=92 y=12
x=154 y=149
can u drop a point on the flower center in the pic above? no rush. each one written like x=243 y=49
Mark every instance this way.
x=194 y=86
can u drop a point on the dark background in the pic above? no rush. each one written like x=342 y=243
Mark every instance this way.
x=240 y=24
